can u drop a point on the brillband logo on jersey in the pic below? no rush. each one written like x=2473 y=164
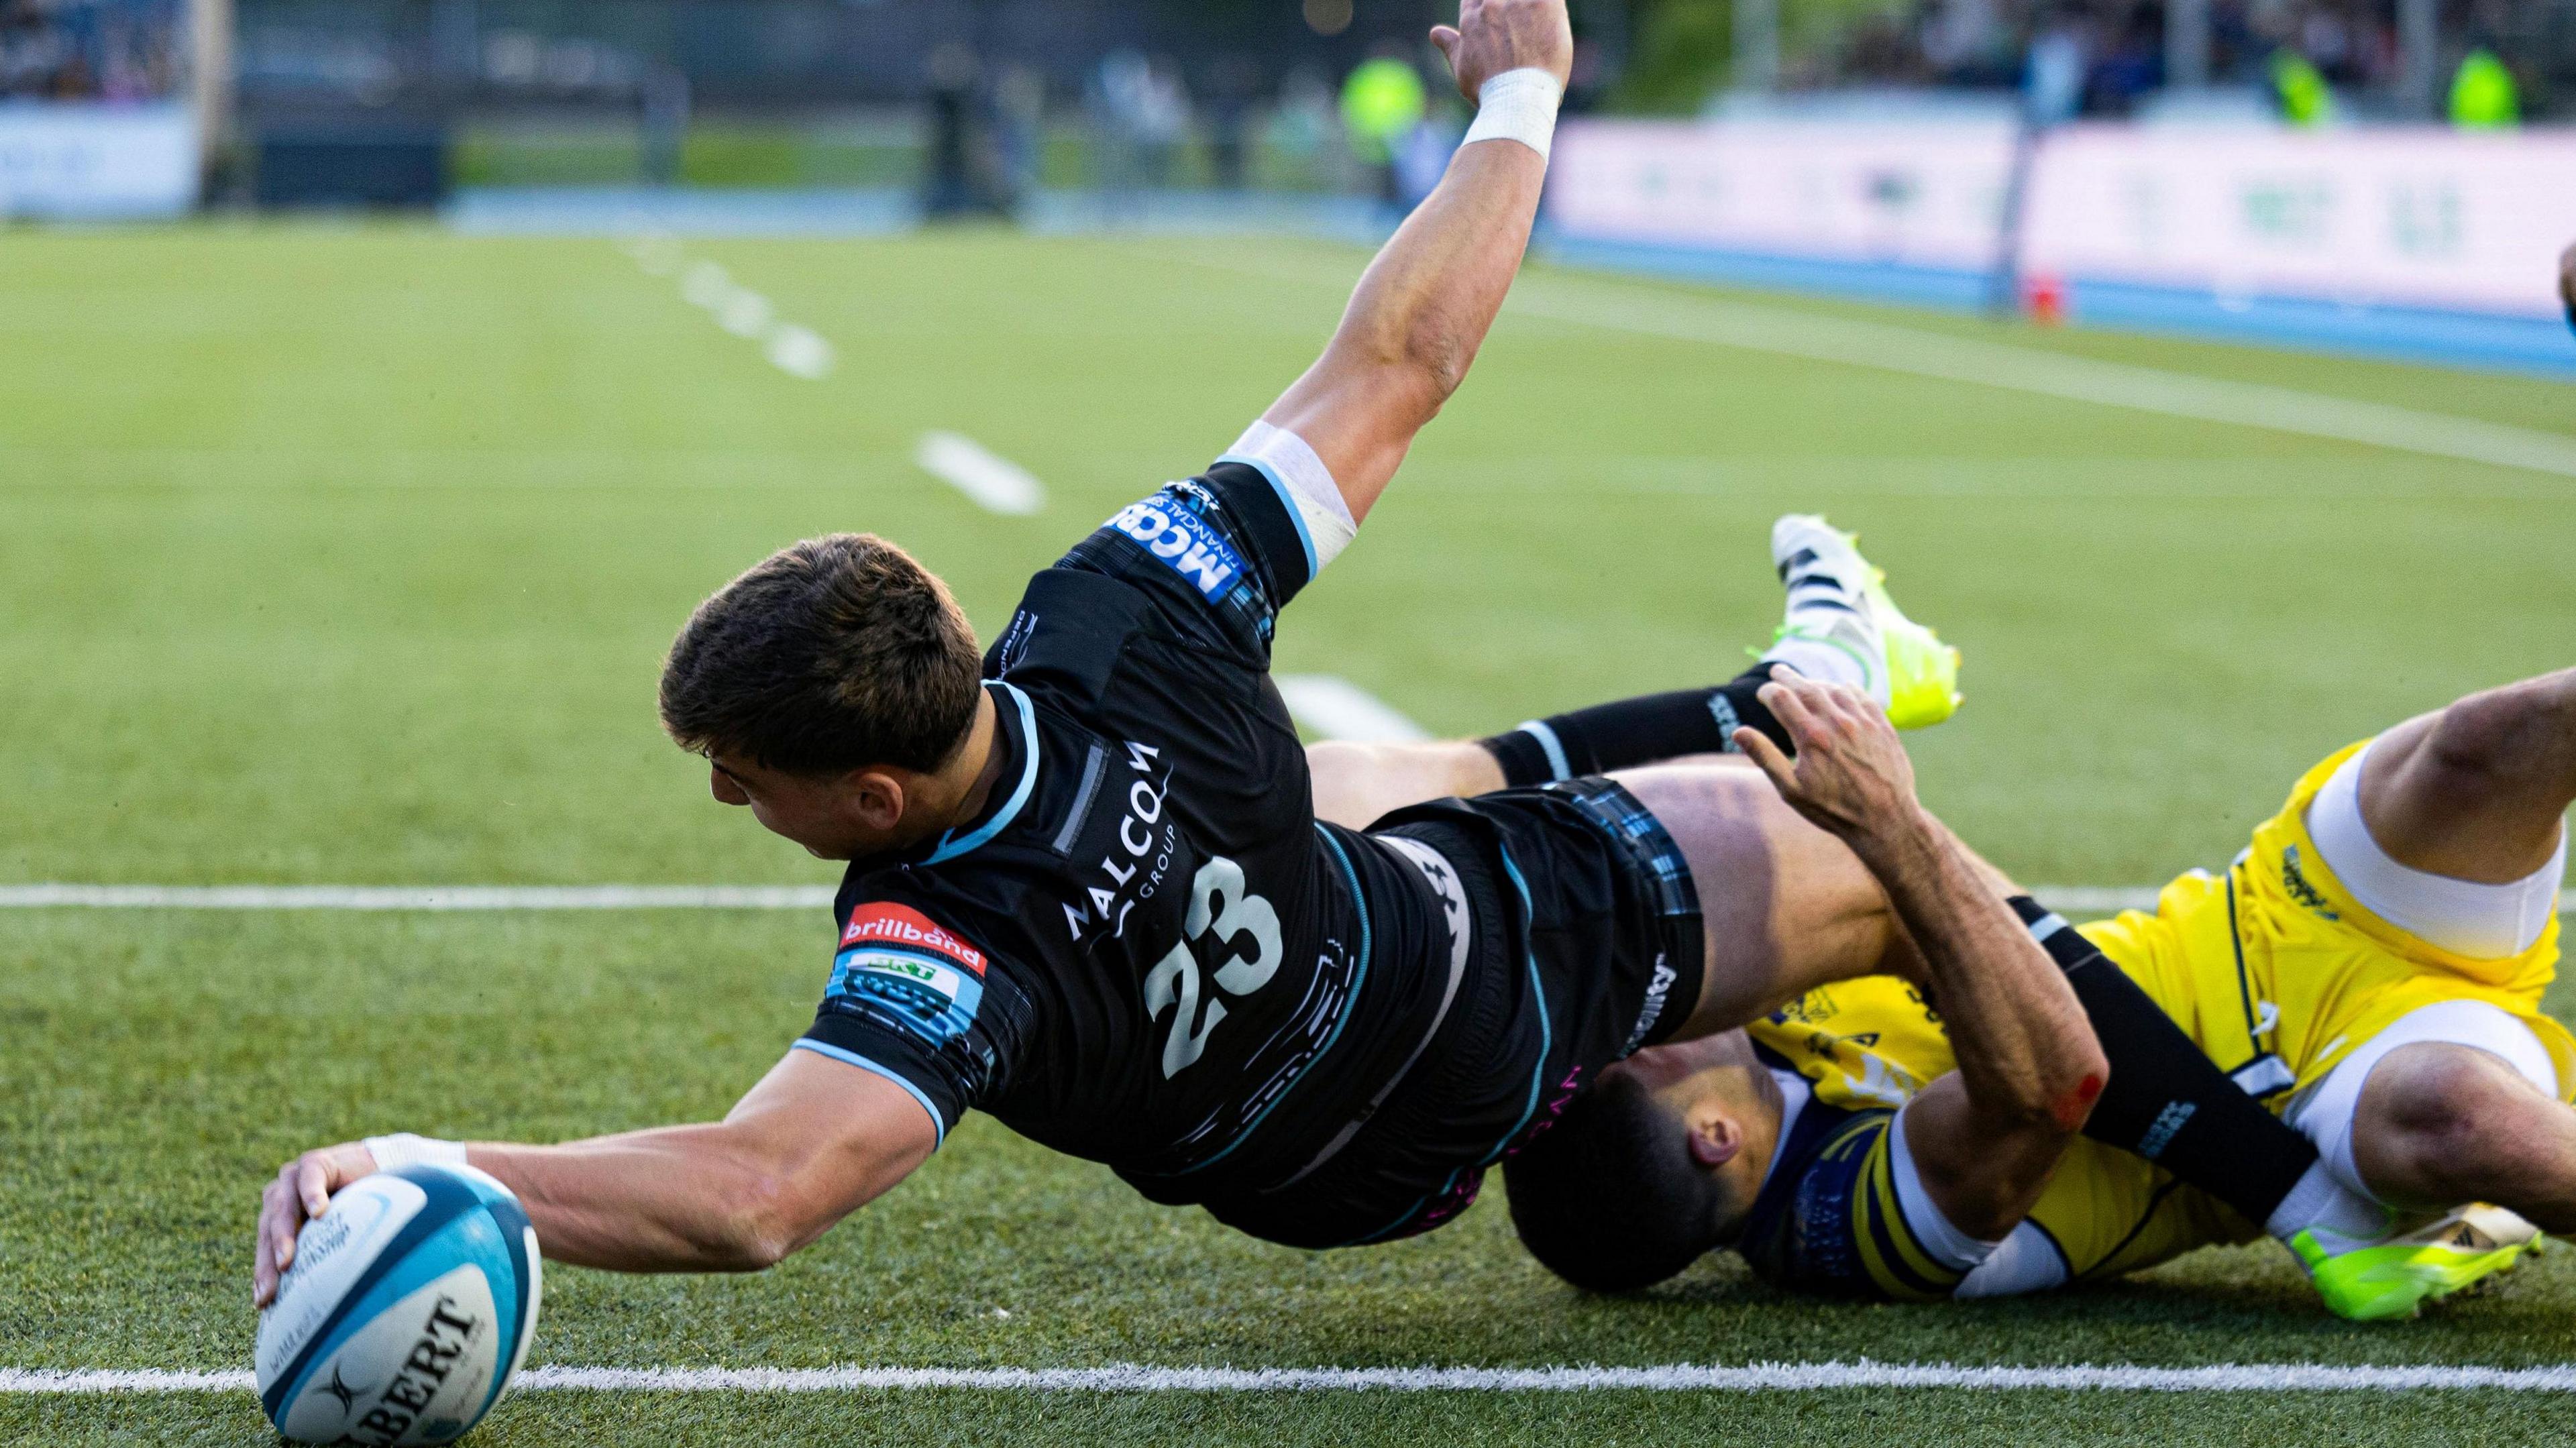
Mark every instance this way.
x=1184 y=540
x=883 y=923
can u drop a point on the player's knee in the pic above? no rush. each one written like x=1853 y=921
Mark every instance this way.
x=2450 y=1124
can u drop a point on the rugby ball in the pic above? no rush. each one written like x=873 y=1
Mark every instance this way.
x=406 y=1312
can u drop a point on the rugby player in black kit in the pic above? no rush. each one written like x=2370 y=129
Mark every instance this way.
x=1088 y=893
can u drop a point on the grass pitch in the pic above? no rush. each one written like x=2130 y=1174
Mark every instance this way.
x=347 y=555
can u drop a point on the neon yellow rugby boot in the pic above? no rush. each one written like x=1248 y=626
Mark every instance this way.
x=2378 y=1278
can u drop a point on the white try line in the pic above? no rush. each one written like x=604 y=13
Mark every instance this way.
x=417 y=897
x=1672 y=1378
x=995 y=483
x=2085 y=900
x=1335 y=708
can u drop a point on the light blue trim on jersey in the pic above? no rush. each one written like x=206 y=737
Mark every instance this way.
x=1287 y=500
x=1538 y=729
x=1357 y=980
x=1546 y=1032
x=853 y=1058
x=950 y=849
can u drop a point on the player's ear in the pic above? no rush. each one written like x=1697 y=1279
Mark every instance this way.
x=876 y=796
x=1716 y=1138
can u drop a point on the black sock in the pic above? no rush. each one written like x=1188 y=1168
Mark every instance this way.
x=1636 y=731
x=2166 y=1101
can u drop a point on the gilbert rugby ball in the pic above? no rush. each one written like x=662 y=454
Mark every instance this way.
x=408 y=1308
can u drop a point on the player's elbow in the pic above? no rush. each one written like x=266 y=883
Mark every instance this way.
x=763 y=1222
x=2071 y=1086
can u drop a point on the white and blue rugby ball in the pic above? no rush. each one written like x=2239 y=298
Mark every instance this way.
x=407 y=1311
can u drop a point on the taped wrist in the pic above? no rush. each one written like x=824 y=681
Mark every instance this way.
x=405 y=1149
x=2166 y=1101
x=1518 y=105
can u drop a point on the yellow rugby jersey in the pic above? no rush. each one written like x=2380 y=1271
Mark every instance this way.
x=2272 y=968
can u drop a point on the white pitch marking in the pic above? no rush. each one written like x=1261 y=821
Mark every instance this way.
x=705 y=284
x=1669 y=1378
x=995 y=483
x=413 y=897
x=800 y=352
x=2053 y=374
x=795 y=350
x=746 y=313
x=1336 y=708
x=1939 y=355
x=2075 y=899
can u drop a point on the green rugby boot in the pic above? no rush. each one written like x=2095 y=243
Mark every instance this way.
x=2373 y=1279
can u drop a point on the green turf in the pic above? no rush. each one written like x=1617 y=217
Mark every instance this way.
x=347 y=555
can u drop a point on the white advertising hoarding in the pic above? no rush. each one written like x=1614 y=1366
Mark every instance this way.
x=1921 y=195
x=2416 y=217
x=2412 y=217
x=76 y=160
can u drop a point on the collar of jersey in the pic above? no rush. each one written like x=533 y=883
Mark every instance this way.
x=952 y=844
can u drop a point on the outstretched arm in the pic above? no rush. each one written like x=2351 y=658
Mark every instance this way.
x=813 y=1142
x=1986 y=1138
x=1424 y=306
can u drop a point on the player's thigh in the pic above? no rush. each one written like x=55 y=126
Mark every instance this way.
x=1785 y=906
x=1356 y=783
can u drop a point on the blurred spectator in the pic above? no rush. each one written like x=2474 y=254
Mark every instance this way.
x=1229 y=89
x=113 y=50
x=2053 y=84
x=1382 y=101
x=2300 y=89
x=1421 y=157
x=2483 y=94
x=1303 y=131
x=2134 y=66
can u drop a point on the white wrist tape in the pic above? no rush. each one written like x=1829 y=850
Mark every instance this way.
x=1518 y=105
x=404 y=1149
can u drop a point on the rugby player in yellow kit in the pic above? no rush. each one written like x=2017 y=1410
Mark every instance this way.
x=2371 y=967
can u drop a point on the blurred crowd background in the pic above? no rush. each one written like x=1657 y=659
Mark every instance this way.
x=982 y=102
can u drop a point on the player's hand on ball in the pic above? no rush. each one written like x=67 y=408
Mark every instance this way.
x=301 y=1192
x=1493 y=36
x=1851 y=777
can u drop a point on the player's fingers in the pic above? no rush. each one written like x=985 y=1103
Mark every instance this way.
x=313 y=1183
x=1759 y=749
x=1788 y=704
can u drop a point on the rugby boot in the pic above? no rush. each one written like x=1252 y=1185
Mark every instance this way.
x=2372 y=1279
x=1839 y=599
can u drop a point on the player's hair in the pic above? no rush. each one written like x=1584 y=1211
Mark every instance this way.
x=829 y=655
x=1608 y=1197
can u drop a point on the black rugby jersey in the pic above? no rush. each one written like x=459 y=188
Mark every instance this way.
x=1145 y=950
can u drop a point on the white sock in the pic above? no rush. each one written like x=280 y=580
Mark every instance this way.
x=2325 y=1205
x=1818 y=658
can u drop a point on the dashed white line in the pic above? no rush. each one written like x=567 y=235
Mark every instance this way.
x=1335 y=708
x=796 y=350
x=1668 y=1378
x=995 y=483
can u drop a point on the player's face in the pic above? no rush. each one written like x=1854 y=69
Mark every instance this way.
x=835 y=817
